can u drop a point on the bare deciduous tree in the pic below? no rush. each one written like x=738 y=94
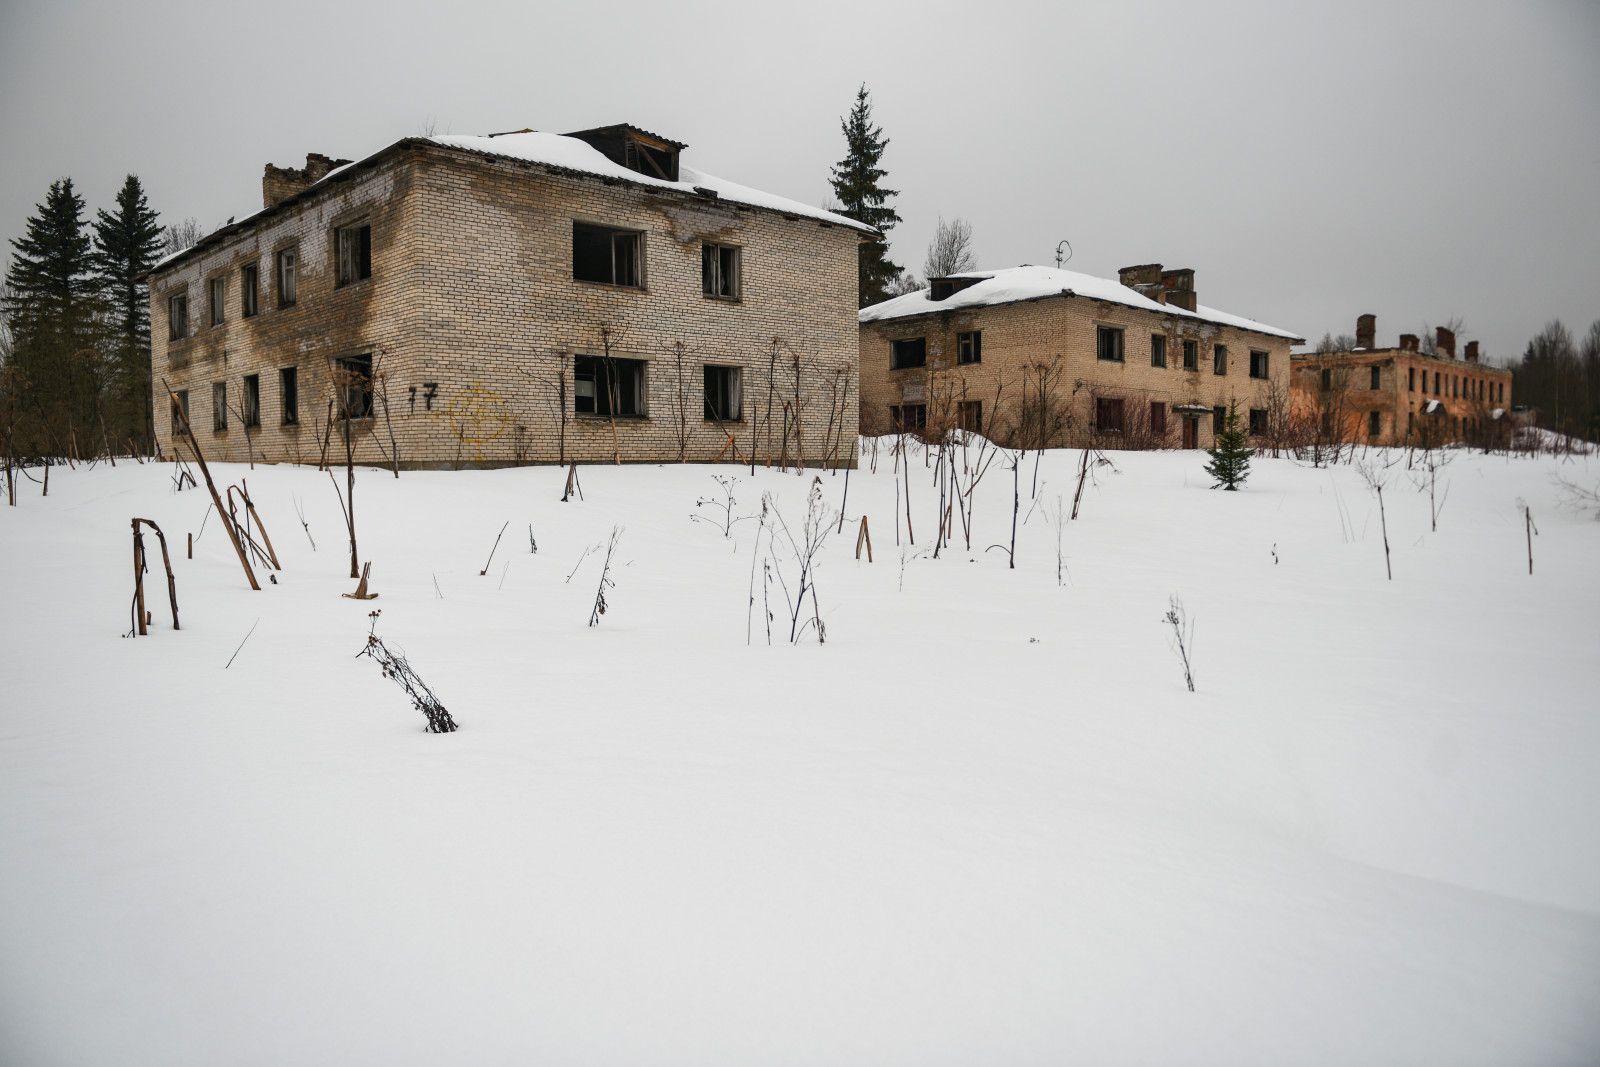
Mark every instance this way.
x=950 y=251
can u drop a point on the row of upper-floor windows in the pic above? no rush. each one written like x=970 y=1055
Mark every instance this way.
x=1455 y=386
x=1110 y=346
x=1111 y=416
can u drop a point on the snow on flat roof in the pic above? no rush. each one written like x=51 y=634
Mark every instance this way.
x=569 y=153
x=1012 y=284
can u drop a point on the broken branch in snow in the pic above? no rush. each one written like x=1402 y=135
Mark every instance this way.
x=1183 y=635
x=394 y=665
x=495 y=548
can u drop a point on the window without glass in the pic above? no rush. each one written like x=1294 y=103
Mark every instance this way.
x=1377 y=379
x=219 y=406
x=1374 y=423
x=247 y=290
x=969 y=413
x=250 y=401
x=1411 y=379
x=908 y=418
x=606 y=255
x=1258 y=421
x=355 y=252
x=1191 y=355
x=1327 y=379
x=969 y=347
x=608 y=387
x=1258 y=364
x=724 y=394
x=1219 y=359
x=1158 y=418
x=1108 y=414
x=1219 y=419
x=218 y=294
x=911 y=352
x=180 y=412
x=1158 y=350
x=177 y=318
x=1108 y=343
x=353 y=380
x=289 y=395
x=287 y=269
x=720 y=271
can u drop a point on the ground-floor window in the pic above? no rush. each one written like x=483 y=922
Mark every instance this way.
x=250 y=400
x=1108 y=414
x=219 y=407
x=1258 y=421
x=353 y=379
x=1219 y=420
x=180 y=412
x=1158 y=418
x=1374 y=423
x=724 y=394
x=970 y=415
x=289 y=394
x=908 y=417
x=608 y=386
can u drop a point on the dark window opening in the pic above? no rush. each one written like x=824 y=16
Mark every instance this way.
x=1258 y=421
x=247 y=290
x=1219 y=359
x=912 y=352
x=721 y=271
x=353 y=380
x=218 y=290
x=1108 y=343
x=180 y=413
x=289 y=394
x=219 y=407
x=1219 y=420
x=1327 y=379
x=1158 y=350
x=724 y=394
x=1158 y=417
x=969 y=413
x=969 y=347
x=1108 y=414
x=908 y=418
x=288 y=272
x=608 y=387
x=606 y=255
x=1191 y=355
x=1374 y=423
x=1258 y=364
x=1376 y=379
x=1411 y=379
x=250 y=400
x=355 y=252
x=177 y=318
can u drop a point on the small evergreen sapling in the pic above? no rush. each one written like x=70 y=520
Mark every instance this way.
x=1230 y=457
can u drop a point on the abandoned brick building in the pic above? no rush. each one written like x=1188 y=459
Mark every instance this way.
x=1042 y=356
x=520 y=297
x=1402 y=395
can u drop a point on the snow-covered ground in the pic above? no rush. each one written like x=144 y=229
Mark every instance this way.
x=985 y=822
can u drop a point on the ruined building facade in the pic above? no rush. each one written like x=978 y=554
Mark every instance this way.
x=1402 y=395
x=1041 y=357
x=527 y=297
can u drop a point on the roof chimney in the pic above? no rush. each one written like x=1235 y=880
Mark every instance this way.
x=1445 y=341
x=280 y=183
x=1366 y=331
x=1178 y=287
x=1472 y=351
x=1408 y=342
x=1144 y=279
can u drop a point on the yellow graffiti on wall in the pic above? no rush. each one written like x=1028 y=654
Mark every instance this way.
x=480 y=418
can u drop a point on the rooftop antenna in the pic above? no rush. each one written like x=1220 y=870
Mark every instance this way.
x=1060 y=259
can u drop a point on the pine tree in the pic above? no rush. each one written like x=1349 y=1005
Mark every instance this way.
x=54 y=306
x=856 y=180
x=1230 y=457
x=127 y=244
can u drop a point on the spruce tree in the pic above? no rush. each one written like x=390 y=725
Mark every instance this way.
x=856 y=184
x=55 y=310
x=1230 y=456
x=127 y=243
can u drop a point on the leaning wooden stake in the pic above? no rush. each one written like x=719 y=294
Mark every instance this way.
x=250 y=509
x=142 y=621
x=216 y=499
x=572 y=485
x=1532 y=529
x=361 y=586
x=864 y=538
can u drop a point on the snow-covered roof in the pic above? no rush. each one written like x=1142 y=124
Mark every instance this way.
x=1028 y=282
x=570 y=154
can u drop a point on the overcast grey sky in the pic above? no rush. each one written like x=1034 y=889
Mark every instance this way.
x=1310 y=161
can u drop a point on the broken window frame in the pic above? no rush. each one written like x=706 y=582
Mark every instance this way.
x=908 y=418
x=969 y=415
x=1258 y=422
x=177 y=316
x=969 y=347
x=624 y=256
x=217 y=300
x=289 y=395
x=1260 y=364
x=286 y=275
x=1108 y=344
x=353 y=386
x=1158 y=350
x=1219 y=359
x=721 y=271
x=613 y=381
x=249 y=290
x=1109 y=413
x=250 y=401
x=352 y=246
x=219 y=407
x=908 y=353
x=724 y=392
x=1191 y=356
x=181 y=402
